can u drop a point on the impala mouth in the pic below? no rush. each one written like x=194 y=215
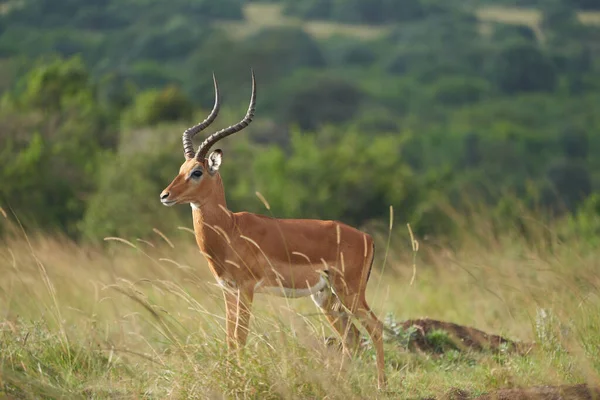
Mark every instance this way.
x=168 y=203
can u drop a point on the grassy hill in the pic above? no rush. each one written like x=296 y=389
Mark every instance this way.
x=261 y=15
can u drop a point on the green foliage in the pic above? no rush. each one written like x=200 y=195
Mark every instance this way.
x=584 y=224
x=440 y=44
x=559 y=16
x=154 y=106
x=580 y=4
x=317 y=176
x=279 y=51
x=505 y=33
x=318 y=100
x=458 y=90
x=432 y=110
x=357 y=11
x=524 y=67
x=440 y=341
x=56 y=86
x=343 y=51
x=570 y=184
x=57 y=131
x=110 y=14
x=113 y=211
x=309 y=9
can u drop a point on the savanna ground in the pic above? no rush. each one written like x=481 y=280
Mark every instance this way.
x=144 y=319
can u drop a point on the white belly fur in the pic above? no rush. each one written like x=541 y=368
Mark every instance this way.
x=291 y=293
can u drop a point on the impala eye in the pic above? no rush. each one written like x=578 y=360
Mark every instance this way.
x=196 y=174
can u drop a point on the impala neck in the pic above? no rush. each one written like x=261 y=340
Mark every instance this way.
x=209 y=212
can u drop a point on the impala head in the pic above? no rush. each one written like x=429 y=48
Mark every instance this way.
x=199 y=174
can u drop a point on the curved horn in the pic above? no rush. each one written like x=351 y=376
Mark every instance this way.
x=215 y=137
x=188 y=146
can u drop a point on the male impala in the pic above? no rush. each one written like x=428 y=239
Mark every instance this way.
x=250 y=253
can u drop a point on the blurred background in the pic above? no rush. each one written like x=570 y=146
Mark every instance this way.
x=438 y=108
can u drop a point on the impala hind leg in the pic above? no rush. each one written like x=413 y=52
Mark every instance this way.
x=238 y=305
x=338 y=318
x=358 y=307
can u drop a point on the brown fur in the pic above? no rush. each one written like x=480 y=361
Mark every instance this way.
x=244 y=249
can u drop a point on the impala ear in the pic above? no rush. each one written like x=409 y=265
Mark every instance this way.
x=214 y=161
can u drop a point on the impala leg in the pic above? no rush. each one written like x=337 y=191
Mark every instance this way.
x=238 y=306
x=231 y=316
x=357 y=304
x=244 y=300
x=338 y=318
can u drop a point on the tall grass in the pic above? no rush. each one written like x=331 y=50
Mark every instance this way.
x=144 y=319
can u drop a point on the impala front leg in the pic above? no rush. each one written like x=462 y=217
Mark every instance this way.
x=244 y=299
x=238 y=305
x=231 y=313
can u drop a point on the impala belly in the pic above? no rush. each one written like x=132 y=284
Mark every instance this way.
x=286 y=290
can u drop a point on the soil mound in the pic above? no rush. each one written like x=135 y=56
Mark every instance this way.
x=563 y=392
x=426 y=335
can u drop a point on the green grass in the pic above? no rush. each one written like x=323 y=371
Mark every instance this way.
x=142 y=319
x=262 y=15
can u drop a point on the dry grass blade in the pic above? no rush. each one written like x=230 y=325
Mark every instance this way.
x=118 y=239
x=164 y=237
x=415 y=248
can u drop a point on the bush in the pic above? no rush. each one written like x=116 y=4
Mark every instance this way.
x=353 y=177
x=510 y=32
x=55 y=132
x=127 y=204
x=154 y=106
x=523 y=67
x=317 y=100
x=570 y=184
x=308 y=9
x=357 y=11
x=458 y=90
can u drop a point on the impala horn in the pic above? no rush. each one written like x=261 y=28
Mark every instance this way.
x=215 y=137
x=188 y=146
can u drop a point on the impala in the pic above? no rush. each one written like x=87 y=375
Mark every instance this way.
x=250 y=253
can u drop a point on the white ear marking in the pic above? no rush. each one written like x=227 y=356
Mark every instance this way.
x=214 y=161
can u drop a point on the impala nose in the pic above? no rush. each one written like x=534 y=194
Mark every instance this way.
x=164 y=199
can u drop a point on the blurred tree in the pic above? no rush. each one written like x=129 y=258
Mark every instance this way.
x=358 y=11
x=523 y=67
x=458 y=90
x=126 y=205
x=154 y=106
x=575 y=143
x=149 y=74
x=308 y=9
x=278 y=51
x=440 y=44
x=559 y=15
x=570 y=184
x=57 y=133
x=587 y=4
x=273 y=53
x=472 y=145
x=354 y=178
x=317 y=100
x=510 y=32
x=56 y=85
x=345 y=51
